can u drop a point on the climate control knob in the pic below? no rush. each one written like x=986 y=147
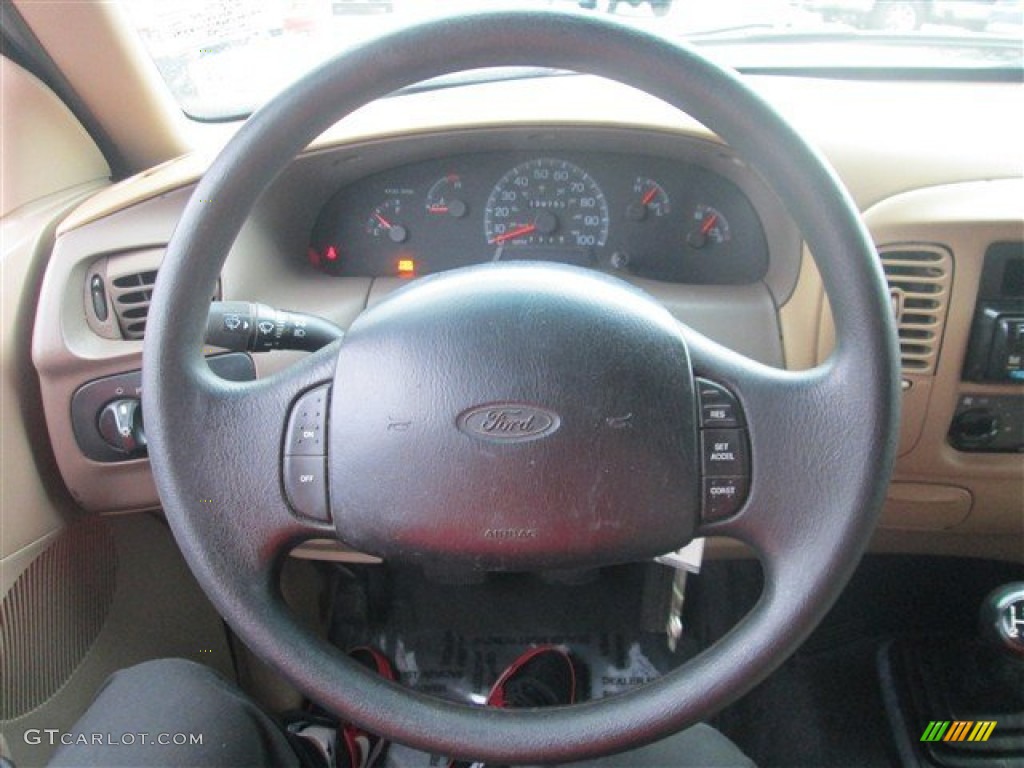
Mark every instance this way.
x=974 y=427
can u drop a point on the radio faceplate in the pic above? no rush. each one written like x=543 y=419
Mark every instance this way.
x=995 y=352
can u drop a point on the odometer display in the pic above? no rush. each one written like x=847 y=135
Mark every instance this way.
x=546 y=203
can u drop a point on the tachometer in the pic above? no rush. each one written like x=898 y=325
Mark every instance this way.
x=547 y=203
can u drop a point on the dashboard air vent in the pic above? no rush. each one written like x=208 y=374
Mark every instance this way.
x=920 y=278
x=130 y=295
x=118 y=290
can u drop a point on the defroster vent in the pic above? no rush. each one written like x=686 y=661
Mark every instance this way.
x=920 y=278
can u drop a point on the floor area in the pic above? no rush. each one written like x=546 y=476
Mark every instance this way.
x=823 y=707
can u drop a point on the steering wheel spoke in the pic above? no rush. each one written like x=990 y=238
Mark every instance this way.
x=793 y=438
x=239 y=494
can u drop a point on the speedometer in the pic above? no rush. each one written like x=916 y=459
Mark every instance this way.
x=548 y=204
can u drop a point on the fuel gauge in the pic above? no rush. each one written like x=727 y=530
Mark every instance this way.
x=708 y=228
x=385 y=220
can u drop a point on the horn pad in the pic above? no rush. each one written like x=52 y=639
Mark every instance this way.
x=514 y=417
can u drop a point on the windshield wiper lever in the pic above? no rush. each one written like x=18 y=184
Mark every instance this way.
x=247 y=326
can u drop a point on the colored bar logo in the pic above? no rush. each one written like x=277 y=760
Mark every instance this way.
x=958 y=730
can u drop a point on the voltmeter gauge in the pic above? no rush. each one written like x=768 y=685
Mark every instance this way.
x=708 y=227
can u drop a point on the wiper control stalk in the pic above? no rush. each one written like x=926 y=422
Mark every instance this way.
x=247 y=326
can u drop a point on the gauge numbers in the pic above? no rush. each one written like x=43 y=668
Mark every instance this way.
x=548 y=203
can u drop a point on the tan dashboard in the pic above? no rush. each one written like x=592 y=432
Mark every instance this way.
x=933 y=225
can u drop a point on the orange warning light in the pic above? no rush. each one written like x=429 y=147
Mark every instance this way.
x=406 y=267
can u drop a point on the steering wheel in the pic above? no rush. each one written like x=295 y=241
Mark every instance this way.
x=599 y=459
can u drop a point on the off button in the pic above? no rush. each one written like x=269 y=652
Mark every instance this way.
x=305 y=484
x=724 y=453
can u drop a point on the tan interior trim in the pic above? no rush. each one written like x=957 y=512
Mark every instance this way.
x=584 y=101
x=801 y=318
x=33 y=501
x=43 y=148
x=823 y=109
x=139 y=114
x=965 y=218
x=941 y=501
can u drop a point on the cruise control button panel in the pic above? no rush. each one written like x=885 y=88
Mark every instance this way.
x=725 y=453
x=304 y=470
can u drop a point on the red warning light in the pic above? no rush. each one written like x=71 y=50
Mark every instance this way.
x=332 y=253
x=406 y=267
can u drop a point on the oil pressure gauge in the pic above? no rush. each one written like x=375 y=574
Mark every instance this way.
x=649 y=200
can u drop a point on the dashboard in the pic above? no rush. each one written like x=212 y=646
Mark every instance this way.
x=420 y=183
x=627 y=213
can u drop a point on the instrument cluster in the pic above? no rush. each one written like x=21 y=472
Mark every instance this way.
x=633 y=214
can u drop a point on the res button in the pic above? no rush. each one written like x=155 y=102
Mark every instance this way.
x=719 y=408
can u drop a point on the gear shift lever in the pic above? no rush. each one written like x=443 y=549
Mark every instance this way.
x=1001 y=619
x=952 y=685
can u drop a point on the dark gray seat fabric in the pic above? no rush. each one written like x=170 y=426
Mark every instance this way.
x=170 y=697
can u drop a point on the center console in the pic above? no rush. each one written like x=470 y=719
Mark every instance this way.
x=985 y=422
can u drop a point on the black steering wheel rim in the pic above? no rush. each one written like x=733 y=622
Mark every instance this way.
x=823 y=440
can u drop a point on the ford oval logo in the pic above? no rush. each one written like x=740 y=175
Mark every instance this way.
x=508 y=422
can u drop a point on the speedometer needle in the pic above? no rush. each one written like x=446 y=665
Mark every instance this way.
x=514 y=233
x=709 y=224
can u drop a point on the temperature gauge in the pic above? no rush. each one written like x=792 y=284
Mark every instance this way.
x=444 y=198
x=385 y=221
x=709 y=227
x=649 y=199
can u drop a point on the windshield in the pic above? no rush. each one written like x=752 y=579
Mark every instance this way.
x=223 y=58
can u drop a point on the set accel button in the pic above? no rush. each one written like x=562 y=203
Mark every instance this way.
x=725 y=453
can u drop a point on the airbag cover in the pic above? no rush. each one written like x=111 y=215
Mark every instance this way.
x=514 y=416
